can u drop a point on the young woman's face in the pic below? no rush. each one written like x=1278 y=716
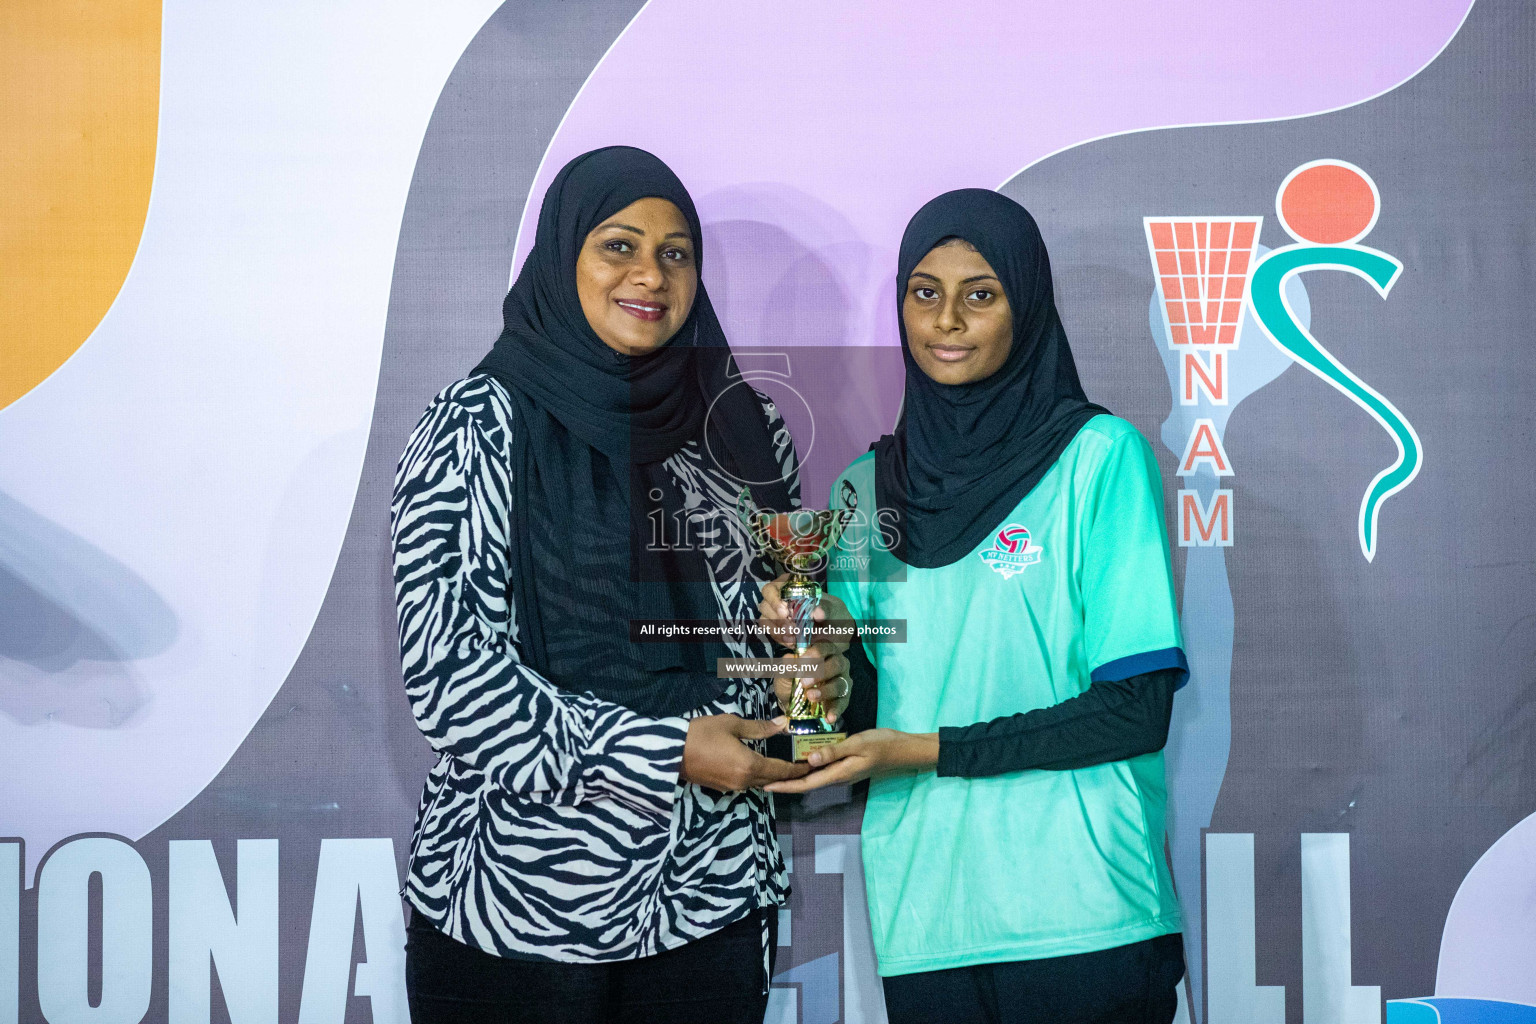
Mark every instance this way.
x=959 y=326
x=637 y=275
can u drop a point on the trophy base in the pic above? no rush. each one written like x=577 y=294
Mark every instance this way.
x=808 y=734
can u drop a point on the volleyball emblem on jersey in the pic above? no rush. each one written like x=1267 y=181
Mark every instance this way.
x=1011 y=551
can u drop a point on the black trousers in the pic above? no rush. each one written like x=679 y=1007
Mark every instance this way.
x=719 y=979
x=1135 y=984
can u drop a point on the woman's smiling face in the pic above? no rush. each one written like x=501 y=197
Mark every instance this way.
x=637 y=274
x=959 y=326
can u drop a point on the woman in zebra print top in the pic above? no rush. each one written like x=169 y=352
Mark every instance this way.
x=587 y=838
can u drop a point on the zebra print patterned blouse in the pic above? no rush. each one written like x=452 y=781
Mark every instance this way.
x=554 y=825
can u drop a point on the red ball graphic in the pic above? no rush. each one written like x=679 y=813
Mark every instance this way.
x=1328 y=202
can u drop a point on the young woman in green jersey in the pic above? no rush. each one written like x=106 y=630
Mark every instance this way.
x=1013 y=839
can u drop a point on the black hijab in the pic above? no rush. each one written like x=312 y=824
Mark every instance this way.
x=963 y=455
x=592 y=427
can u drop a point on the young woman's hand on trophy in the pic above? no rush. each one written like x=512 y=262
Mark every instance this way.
x=864 y=755
x=823 y=667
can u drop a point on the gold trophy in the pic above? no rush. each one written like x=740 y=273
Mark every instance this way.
x=799 y=541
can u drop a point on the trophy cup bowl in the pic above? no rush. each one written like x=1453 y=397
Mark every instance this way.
x=799 y=542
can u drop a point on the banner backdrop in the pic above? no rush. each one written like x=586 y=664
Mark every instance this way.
x=242 y=247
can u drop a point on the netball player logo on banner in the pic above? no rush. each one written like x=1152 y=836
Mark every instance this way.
x=1212 y=274
x=1011 y=551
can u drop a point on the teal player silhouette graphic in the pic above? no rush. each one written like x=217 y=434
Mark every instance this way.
x=1216 y=283
x=1328 y=206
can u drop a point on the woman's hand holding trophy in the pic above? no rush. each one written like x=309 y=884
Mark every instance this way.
x=814 y=687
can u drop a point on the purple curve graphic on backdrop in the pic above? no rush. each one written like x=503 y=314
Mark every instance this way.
x=806 y=199
x=1489 y=944
x=758 y=139
x=811 y=132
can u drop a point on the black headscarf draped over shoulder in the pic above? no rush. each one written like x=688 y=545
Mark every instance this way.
x=963 y=455
x=591 y=430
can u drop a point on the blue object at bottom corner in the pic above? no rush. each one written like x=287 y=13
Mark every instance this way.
x=1449 y=1010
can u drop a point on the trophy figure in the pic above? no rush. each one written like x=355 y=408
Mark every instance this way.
x=799 y=541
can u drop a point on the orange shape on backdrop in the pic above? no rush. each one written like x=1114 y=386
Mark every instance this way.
x=79 y=116
x=1328 y=203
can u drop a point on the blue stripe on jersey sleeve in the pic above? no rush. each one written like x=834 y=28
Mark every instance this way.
x=1146 y=661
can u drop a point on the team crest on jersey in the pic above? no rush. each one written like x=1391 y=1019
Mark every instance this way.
x=1011 y=551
